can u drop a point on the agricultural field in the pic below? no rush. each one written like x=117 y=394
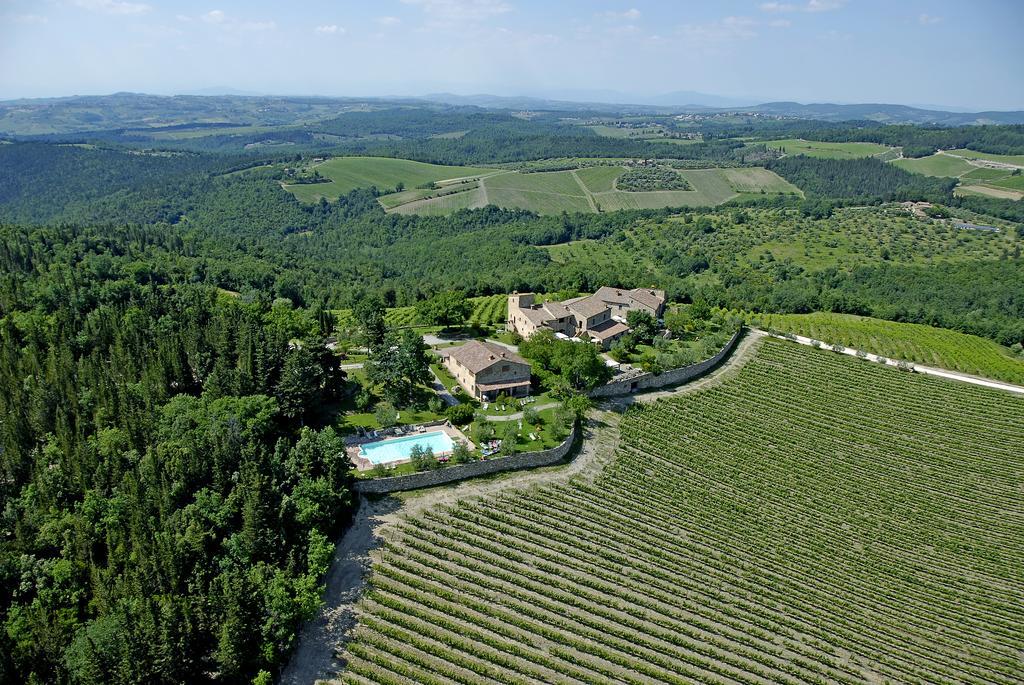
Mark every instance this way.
x=589 y=189
x=813 y=148
x=749 y=532
x=973 y=179
x=936 y=165
x=925 y=345
x=349 y=173
x=1016 y=160
x=487 y=310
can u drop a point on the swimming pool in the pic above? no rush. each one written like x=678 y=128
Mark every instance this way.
x=387 y=451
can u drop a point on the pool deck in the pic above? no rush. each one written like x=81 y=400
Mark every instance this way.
x=362 y=464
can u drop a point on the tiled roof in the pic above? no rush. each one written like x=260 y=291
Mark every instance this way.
x=607 y=329
x=477 y=356
x=588 y=307
x=648 y=297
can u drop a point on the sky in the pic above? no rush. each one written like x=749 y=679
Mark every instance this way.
x=967 y=55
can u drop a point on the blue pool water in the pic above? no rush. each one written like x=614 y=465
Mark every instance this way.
x=387 y=451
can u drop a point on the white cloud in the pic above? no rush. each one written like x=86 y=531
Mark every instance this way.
x=257 y=26
x=811 y=6
x=780 y=23
x=823 y=5
x=329 y=29
x=388 y=21
x=114 y=6
x=629 y=15
x=722 y=31
x=926 y=19
x=221 y=19
x=452 y=11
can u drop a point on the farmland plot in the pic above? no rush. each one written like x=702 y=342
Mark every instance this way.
x=813 y=519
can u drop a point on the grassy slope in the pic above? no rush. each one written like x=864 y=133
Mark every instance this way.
x=792 y=146
x=913 y=342
x=935 y=165
x=349 y=173
x=971 y=154
x=815 y=518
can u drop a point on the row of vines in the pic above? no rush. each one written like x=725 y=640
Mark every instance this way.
x=814 y=519
x=907 y=341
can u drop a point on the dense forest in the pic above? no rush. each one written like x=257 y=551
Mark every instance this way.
x=866 y=180
x=167 y=515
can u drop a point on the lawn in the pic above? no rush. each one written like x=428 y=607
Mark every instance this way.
x=925 y=345
x=935 y=165
x=813 y=148
x=813 y=518
x=349 y=173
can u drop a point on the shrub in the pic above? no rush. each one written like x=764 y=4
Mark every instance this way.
x=460 y=414
x=386 y=414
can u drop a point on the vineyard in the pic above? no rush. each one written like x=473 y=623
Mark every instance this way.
x=487 y=310
x=814 y=519
x=912 y=342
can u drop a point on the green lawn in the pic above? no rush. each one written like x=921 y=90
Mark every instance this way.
x=349 y=173
x=935 y=165
x=813 y=148
x=913 y=342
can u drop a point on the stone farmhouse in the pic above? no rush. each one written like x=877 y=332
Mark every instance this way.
x=599 y=318
x=487 y=370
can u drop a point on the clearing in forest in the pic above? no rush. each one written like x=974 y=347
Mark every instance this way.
x=586 y=189
x=813 y=518
x=348 y=173
x=814 y=148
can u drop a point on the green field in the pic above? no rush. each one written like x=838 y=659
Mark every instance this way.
x=812 y=148
x=487 y=310
x=813 y=519
x=935 y=165
x=982 y=174
x=588 y=189
x=908 y=341
x=1017 y=160
x=553 y=192
x=349 y=173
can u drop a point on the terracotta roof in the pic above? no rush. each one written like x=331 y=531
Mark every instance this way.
x=557 y=310
x=607 y=294
x=537 y=316
x=648 y=297
x=608 y=329
x=588 y=306
x=477 y=356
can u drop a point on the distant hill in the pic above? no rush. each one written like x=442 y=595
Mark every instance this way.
x=887 y=114
x=84 y=113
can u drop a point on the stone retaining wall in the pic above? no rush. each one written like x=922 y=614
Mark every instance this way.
x=649 y=381
x=450 y=474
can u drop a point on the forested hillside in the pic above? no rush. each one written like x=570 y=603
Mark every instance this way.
x=166 y=516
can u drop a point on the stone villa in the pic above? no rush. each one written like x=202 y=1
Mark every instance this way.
x=486 y=370
x=599 y=318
